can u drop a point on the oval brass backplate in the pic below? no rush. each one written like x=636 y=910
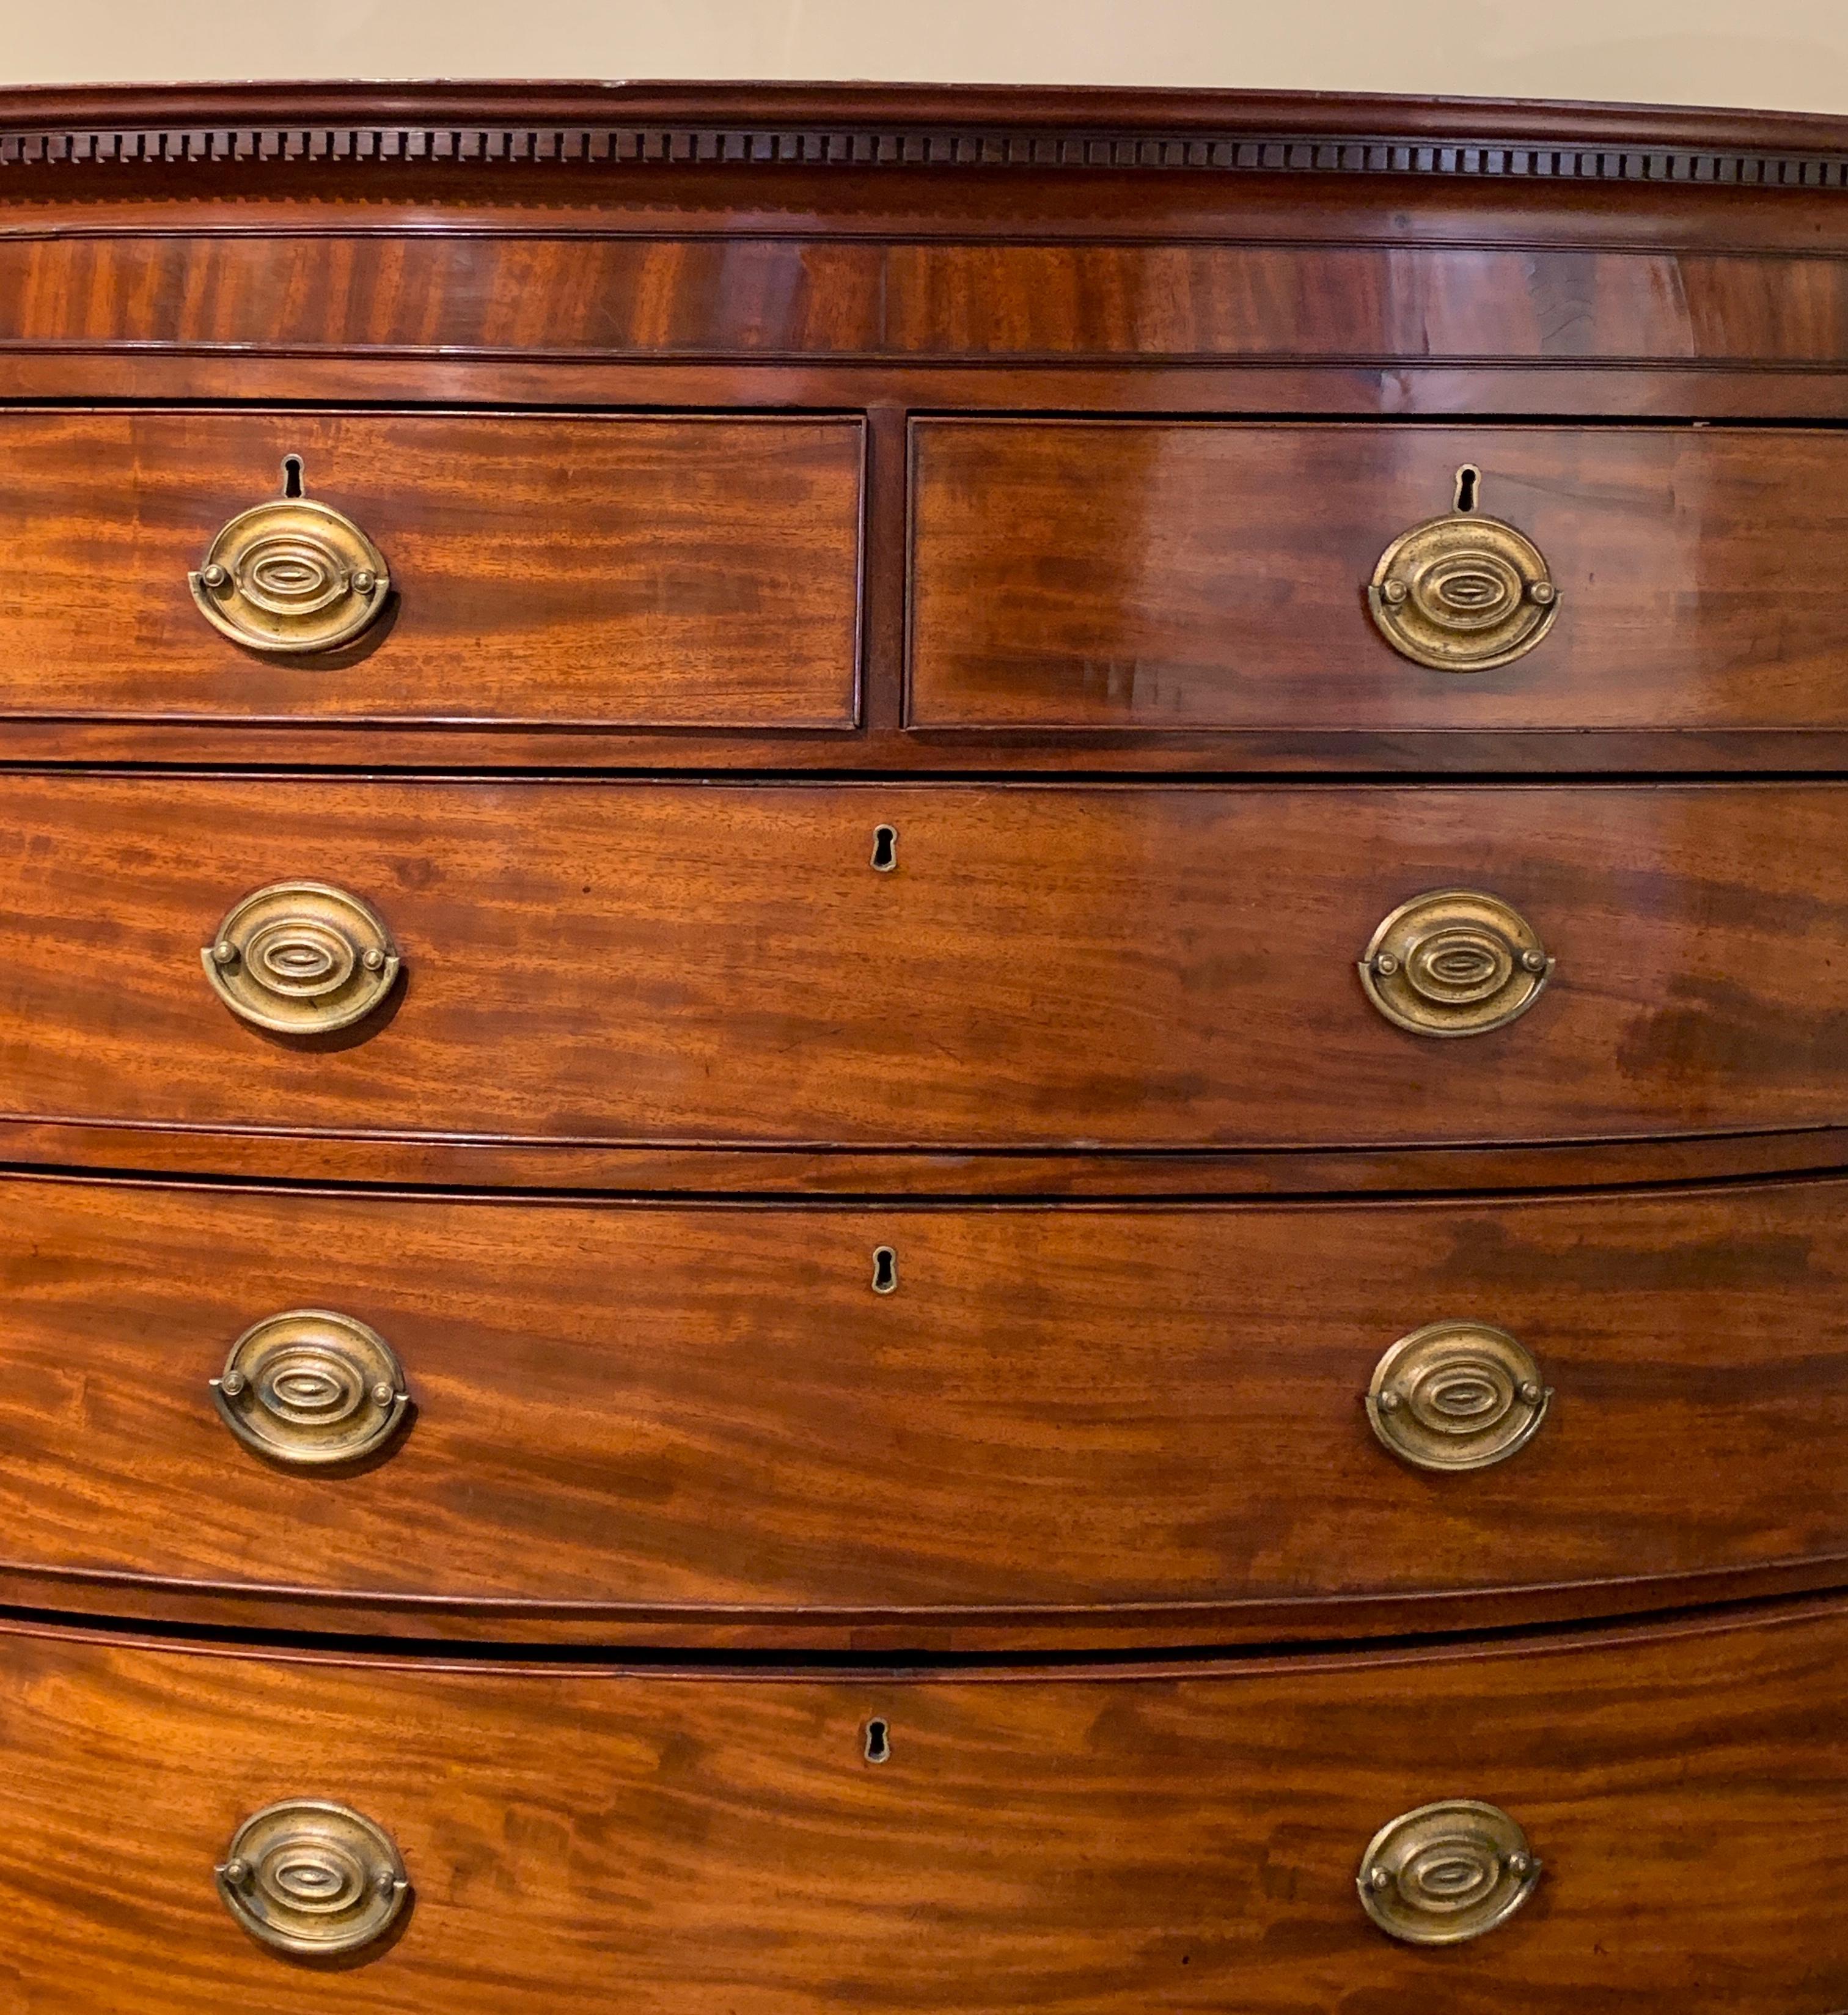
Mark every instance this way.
x=302 y=958
x=292 y=577
x=313 y=1880
x=308 y=1388
x=1446 y=1873
x=1463 y=592
x=1457 y=1395
x=1453 y=962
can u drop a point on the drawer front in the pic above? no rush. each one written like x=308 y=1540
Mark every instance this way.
x=1188 y=574
x=1108 y=966
x=811 y=1413
x=616 y=572
x=1094 y=1843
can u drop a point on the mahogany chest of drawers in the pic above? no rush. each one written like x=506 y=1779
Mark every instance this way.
x=924 y=1053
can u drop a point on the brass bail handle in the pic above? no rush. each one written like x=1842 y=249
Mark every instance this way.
x=1457 y=1395
x=1455 y=962
x=1446 y=1873
x=313 y=1880
x=292 y=576
x=1464 y=592
x=311 y=1388
x=301 y=958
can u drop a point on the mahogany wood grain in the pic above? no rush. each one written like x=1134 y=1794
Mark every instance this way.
x=623 y=379
x=310 y=725
x=433 y=293
x=1479 y=390
x=1058 y=1415
x=1087 y=575
x=757 y=159
x=426 y=1160
x=1087 y=1843
x=619 y=571
x=1048 y=967
x=742 y=1637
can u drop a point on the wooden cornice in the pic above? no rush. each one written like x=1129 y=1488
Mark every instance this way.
x=632 y=125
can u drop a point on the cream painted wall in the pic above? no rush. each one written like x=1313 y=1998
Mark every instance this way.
x=1785 y=54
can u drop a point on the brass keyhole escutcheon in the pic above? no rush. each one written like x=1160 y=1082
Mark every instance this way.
x=292 y=577
x=1455 y=962
x=313 y=1880
x=1446 y=1873
x=301 y=958
x=1457 y=1395
x=1464 y=592
x=310 y=1388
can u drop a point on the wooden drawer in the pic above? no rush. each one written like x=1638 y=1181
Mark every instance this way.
x=1189 y=574
x=556 y=570
x=1112 y=967
x=1055 y=1421
x=1110 y=1841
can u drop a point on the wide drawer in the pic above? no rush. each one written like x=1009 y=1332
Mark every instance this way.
x=1108 y=967
x=1024 y=1423
x=558 y=570
x=1191 y=574
x=1110 y=1841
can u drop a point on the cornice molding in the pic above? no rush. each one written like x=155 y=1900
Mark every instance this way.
x=603 y=127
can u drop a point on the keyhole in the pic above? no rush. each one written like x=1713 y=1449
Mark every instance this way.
x=885 y=1269
x=292 y=475
x=885 y=848
x=1469 y=485
x=878 y=1745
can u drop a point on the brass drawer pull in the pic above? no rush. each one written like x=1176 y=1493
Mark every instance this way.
x=292 y=576
x=1455 y=962
x=309 y=1387
x=302 y=958
x=1457 y=1395
x=1446 y=1873
x=1463 y=592
x=313 y=1880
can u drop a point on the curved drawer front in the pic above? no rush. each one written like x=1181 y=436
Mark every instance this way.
x=1164 y=575
x=610 y=571
x=1088 y=1843
x=1049 y=1419
x=1075 y=967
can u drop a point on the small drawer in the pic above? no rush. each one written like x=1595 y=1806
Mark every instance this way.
x=1030 y=1421
x=884 y=965
x=435 y=569
x=1652 y=1819
x=1173 y=575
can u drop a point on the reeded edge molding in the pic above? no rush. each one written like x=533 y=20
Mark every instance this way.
x=919 y=126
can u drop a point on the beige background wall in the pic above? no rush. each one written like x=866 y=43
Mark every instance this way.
x=1790 y=54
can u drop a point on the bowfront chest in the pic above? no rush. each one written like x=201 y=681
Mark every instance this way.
x=924 y=1053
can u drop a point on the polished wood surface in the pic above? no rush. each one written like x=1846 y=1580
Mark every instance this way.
x=1108 y=967
x=1066 y=1419
x=892 y=252
x=768 y=297
x=602 y=570
x=758 y=468
x=1092 y=575
x=1090 y=1841
x=656 y=1170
